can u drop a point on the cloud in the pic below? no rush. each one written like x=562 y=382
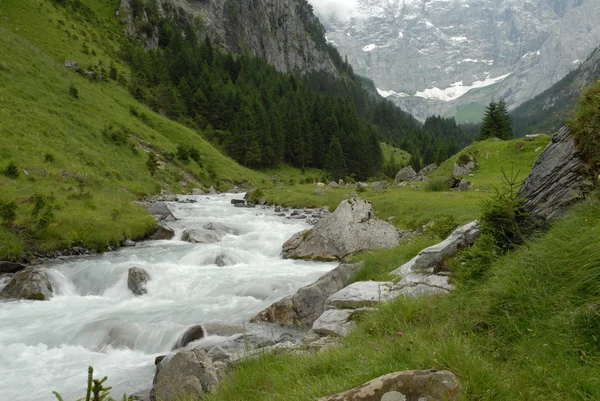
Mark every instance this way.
x=339 y=9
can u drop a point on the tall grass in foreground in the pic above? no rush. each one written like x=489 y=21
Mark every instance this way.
x=528 y=330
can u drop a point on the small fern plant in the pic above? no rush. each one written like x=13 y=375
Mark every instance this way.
x=96 y=390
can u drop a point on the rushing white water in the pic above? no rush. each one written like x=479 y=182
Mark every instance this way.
x=94 y=319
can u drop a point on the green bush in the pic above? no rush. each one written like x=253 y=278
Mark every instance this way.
x=256 y=196
x=11 y=171
x=8 y=213
x=183 y=153
x=152 y=163
x=73 y=91
x=504 y=217
x=443 y=226
x=437 y=184
x=49 y=158
x=472 y=264
x=585 y=127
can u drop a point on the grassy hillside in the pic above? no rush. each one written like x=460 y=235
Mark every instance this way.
x=527 y=331
x=401 y=157
x=87 y=156
x=416 y=204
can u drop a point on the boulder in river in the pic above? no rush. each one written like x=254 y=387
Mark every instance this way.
x=304 y=307
x=137 y=279
x=351 y=228
x=31 y=284
x=10 y=267
x=162 y=233
x=188 y=373
x=158 y=210
x=192 y=334
x=413 y=385
x=201 y=236
x=558 y=179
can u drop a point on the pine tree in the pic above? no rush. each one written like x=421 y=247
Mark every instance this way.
x=496 y=122
x=335 y=164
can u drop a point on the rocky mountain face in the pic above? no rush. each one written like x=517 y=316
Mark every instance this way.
x=284 y=32
x=453 y=56
x=549 y=110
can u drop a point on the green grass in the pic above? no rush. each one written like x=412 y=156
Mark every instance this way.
x=529 y=331
x=401 y=157
x=94 y=179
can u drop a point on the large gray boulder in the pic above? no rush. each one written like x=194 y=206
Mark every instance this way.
x=334 y=322
x=304 y=307
x=162 y=233
x=557 y=180
x=406 y=174
x=413 y=385
x=428 y=169
x=351 y=228
x=31 y=284
x=159 y=210
x=137 y=278
x=419 y=285
x=187 y=373
x=379 y=185
x=429 y=259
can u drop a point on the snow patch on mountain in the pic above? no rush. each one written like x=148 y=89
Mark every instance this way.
x=457 y=89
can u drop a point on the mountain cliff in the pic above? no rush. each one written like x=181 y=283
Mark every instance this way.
x=283 y=32
x=444 y=56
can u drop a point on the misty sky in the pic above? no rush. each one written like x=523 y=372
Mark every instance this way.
x=342 y=9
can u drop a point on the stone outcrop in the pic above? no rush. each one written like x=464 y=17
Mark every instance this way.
x=428 y=169
x=201 y=236
x=360 y=294
x=406 y=174
x=420 y=285
x=413 y=385
x=192 y=334
x=334 y=322
x=351 y=228
x=557 y=180
x=429 y=259
x=187 y=372
x=379 y=185
x=162 y=233
x=463 y=168
x=304 y=307
x=137 y=278
x=30 y=284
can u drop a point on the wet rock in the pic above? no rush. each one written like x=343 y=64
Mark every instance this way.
x=30 y=284
x=304 y=307
x=158 y=210
x=360 y=294
x=558 y=179
x=189 y=372
x=10 y=267
x=128 y=242
x=192 y=334
x=162 y=233
x=238 y=202
x=406 y=174
x=351 y=228
x=198 y=236
x=221 y=329
x=137 y=278
x=414 y=385
x=429 y=259
x=218 y=354
x=198 y=191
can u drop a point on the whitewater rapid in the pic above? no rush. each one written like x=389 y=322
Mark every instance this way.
x=93 y=318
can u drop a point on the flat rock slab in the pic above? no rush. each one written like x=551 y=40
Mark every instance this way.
x=430 y=258
x=360 y=294
x=412 y=385
x=420 y=285
x=334 y=322
x=201 y=236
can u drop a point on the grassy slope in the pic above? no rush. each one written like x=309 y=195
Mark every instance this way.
x=414 y=207
x=529 y=331
x=39 y=117
x=401 y=157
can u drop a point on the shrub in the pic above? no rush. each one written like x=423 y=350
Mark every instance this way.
x=49 y=158
x=73 y=91
x=152 y=163
x=437 y=184
x=443 y=226
x=473 y=263
x=194 y=154
x=8 y=213
x=504 y=218
x=96 y=390
x=183 y=153
x=256 y=196
x=585 y=126
x=42 y=213
x=11 y=171
x=115 y=135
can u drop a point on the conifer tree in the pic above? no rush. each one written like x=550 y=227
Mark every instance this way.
x=496 y=122
x=335 y=164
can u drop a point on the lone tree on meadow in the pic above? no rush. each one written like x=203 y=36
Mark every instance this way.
x=496 y=122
